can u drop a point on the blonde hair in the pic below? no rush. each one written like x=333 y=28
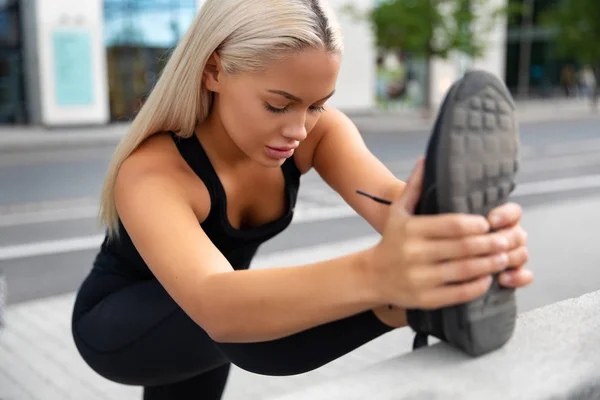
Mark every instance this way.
x=247 y=35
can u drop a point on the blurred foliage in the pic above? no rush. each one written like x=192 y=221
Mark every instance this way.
x=576 y=24
x=431 y=28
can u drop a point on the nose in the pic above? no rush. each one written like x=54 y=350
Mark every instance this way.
x=295 y=131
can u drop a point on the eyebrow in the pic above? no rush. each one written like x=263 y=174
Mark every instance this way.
x=295 y=98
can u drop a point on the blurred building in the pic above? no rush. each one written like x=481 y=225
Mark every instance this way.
x=80 y=62
x=530 y=58
x=445 y=72
x=402 y=79
x=12 y=90
x=519 y=50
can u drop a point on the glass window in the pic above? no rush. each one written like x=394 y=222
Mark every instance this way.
x=147 y=23
x=138 y=36
x=9 y=23
x=542 y=6
x=12 y=99
x=543 y=69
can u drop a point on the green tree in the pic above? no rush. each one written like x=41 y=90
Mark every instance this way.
x=430 y=28
x=576 y=25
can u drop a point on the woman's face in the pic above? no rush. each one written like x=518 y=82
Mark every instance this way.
x=268 y=114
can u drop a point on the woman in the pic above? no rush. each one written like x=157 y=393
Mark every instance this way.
x=210 y=170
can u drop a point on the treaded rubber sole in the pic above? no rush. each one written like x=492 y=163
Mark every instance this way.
x=478 y=160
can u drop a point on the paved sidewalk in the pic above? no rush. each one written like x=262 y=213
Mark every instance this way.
x=24 y=138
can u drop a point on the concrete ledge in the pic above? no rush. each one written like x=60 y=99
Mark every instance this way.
x=554 y=354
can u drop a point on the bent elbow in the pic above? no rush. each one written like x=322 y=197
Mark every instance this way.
x=212 y=321
x=217 y=332
x=220 y=329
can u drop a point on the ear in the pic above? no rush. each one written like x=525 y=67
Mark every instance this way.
x=212 y=73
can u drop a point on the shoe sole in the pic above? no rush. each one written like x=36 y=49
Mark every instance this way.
x=477 y=161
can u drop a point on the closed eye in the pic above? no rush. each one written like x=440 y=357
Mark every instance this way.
x=276 y=110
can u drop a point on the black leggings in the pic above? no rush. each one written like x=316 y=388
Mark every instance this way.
x=132 y=332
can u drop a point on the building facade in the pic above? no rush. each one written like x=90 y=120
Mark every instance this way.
x=531 y=49
x=73 y=62
x=12 y=91
x=403 y=80
x=138 y=36
x=445 y=72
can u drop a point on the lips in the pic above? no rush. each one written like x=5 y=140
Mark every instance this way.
x=283 y=148
x=279 y=153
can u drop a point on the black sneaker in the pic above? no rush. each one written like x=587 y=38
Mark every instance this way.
x=471 y=162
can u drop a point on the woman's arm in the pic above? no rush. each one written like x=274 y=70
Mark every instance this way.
x=234 y=306
x=343 y=160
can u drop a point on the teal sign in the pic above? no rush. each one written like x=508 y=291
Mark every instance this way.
x=73 y=74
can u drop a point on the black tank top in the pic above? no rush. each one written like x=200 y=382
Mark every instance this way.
x=237 y=245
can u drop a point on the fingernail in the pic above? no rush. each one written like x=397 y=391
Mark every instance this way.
x=507 y=279
x=502 y=242
x=485 y=226
x=496 y=219
x=502 y=260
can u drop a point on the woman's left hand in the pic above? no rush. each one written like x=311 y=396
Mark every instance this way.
x=507 y=218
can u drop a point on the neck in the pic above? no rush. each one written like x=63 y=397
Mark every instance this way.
x=218 y=144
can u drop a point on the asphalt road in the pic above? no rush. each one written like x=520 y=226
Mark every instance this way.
x=49 y=235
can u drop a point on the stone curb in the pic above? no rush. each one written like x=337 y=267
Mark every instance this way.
x=553 y=354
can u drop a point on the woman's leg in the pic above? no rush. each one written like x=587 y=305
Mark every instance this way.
x=134 y=333
x=207 y=386
x=306 y=350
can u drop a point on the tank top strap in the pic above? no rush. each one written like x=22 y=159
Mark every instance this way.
x=194 y=155
x=291 y=170
x=292 y=181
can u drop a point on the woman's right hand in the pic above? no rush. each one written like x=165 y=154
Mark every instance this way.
x=432 y=261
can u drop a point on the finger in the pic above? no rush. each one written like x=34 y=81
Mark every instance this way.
x=516 y=236
x=505 y=215
x=443 y=226
x=435 y=251
x=450 y=295
x=466 y=269
x=412 y=191
x=516 y=278
x=472 y=246
x=518 y=256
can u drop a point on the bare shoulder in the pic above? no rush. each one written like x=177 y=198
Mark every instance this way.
x=154 y=167
x=332 y=120
x=155 y=155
